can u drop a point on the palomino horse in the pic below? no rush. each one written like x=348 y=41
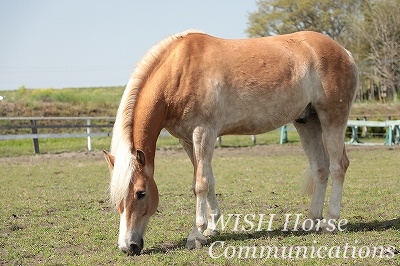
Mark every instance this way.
x=200 y=87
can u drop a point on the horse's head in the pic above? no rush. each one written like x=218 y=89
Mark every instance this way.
x=138 y=204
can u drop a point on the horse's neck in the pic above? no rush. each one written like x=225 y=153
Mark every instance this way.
x=147 y=125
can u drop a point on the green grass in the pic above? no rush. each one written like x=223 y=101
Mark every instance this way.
x=55 y=210
x=10 y=148
x=96 y=95
x=98 y=101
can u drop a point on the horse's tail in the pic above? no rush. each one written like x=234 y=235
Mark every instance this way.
x=308 y=183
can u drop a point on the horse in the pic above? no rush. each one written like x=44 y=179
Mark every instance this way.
x=199 y=87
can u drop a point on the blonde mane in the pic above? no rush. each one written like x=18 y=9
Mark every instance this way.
x=121 y=143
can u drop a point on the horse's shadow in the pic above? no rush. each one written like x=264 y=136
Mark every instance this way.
x=278 y=233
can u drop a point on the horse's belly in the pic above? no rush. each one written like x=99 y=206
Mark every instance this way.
x=227 y=110
x=252 y=125
x=259 y=115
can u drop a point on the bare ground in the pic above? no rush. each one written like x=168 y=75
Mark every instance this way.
x=259 y=150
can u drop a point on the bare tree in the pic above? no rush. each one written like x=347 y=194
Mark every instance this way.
x=370 y=29
x=381 y=30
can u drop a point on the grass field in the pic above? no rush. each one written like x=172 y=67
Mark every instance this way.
x=54 y=208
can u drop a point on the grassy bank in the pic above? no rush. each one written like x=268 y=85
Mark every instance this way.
x=104 y=101
x=100 y=101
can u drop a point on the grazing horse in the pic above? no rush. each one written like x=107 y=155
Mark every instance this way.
x=199 y=87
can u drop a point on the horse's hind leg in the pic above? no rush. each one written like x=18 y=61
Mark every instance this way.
x=338 y=163
x=317 y=175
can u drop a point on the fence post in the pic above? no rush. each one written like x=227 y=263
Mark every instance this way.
x=389 y=136
x=35 y=140
x=88 y=130
x=354 y=135
x=284 y=138
x=364 y=130
x=397 y=134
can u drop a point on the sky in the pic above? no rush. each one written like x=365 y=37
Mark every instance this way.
x=89 y=43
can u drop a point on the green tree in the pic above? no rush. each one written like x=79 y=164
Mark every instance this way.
x=331 y=17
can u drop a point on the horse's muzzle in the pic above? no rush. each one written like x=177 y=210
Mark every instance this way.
x=134 y=248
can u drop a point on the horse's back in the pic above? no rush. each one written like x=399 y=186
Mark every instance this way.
x=272 y=58
x=255 y=85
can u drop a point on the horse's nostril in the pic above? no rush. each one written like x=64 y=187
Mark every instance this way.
x=135 y=249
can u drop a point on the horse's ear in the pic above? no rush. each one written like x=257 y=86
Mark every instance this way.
x=110 y=159
x=140 y=157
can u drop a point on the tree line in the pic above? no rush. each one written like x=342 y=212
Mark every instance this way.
x=370 y=29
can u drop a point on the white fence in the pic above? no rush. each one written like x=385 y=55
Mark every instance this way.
x=67 y=122
x=392 y=130
x=87 y=124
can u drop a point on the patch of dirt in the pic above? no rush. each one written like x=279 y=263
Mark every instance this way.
x=258 y=150
x=266 y=150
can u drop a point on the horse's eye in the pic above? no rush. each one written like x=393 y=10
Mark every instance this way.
x=141 y=194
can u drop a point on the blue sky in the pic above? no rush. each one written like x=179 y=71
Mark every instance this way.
x=83 y=43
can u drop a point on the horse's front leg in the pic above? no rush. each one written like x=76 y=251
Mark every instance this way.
x=204 y=226
x=213 y=211
x=203 y=187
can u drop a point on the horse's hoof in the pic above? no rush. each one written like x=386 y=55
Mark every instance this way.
x=195 y=240
x=319 y=226
x=328 y=229
x=309 y=226
x=195 y=243
x=211 y=232
x=190 y=244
